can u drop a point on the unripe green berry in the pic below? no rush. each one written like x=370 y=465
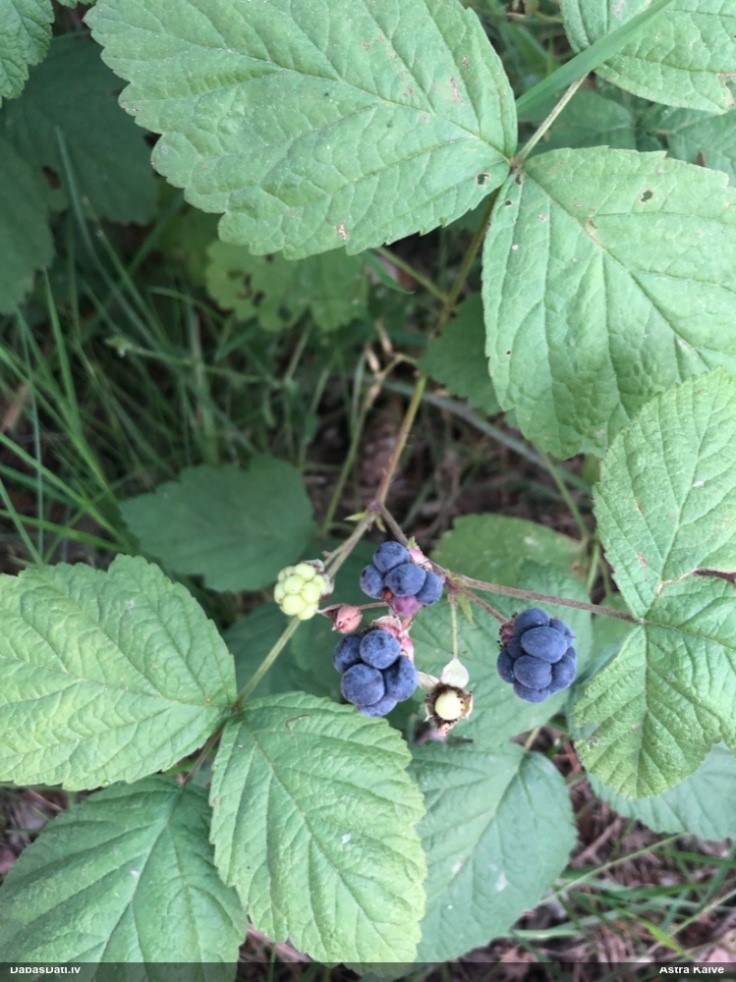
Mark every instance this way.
x=448 y=706
x=299 y=588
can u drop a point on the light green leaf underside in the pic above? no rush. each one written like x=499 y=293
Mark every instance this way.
x=509 y=551
x=684 y=58
x=697 y=137
x=106 y=676
x=498 y=830
x=126 y=876
x=703 y=805
x=235 y=528
x=71 y=98
x=25 y=240
x=313 y=130
x=278 y=291
x=607 y=277
x=666 y=507
x=315 y=825
x=457 y=357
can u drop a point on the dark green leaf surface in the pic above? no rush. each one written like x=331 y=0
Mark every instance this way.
x=236 y=528
x=311 y=129
x=315 y=825
x=25 y=239
x=607 y=277
x=106 y=676
x=457 y=357
x=71 y=98
x=126 y=876
x=498 y=830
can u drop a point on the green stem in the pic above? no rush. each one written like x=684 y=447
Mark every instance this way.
x=459 y=580
x=547 y=123
x=418 y=277
x=252 y=683
x=566 y=496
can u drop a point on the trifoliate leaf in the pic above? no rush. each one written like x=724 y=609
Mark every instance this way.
x=607 y=279
x=457 y=357
x=25 y=240
x=236 y=528
x=311 y=129
x=704 y=804
x=666 y=510
x=684 y=58
x=71 y=99
x=480 y=808
x=126 y=876
x=106 y=676
x=277 y=291
x=302 y=778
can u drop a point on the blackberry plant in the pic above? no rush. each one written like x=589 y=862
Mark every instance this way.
x=323 y=795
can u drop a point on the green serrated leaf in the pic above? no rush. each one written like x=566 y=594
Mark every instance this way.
x=126 y=876
x=301 y=777
x=25 y=240
x=106 y=676
x=457 y=357
x=703 y=805
x=607 y=279
x=26 y=32
x=697 y=137
x=311 y=130
x=480 y=808
x=71 y=98
x=276 y=291
x=684 y=59
x=235 y=528
x=666 y=509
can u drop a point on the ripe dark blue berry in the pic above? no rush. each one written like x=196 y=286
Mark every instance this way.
x=563 y=672
x=432 y=589
x=532 y=672
x=537 y=658
x=401 y=679
x=533 y=617
x=363 y=685
x=544 y=643
x=406 y=580
x=371 y=582
x=380 y=708
x=390 y=555
x=505 y=666
x=379 y=648
x=347 y=653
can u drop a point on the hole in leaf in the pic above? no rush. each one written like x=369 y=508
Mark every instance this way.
x=646 y=195
x=482 y=178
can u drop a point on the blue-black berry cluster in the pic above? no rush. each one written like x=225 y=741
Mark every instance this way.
x=537 y=656
x=375 y=674
x=395 y=577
